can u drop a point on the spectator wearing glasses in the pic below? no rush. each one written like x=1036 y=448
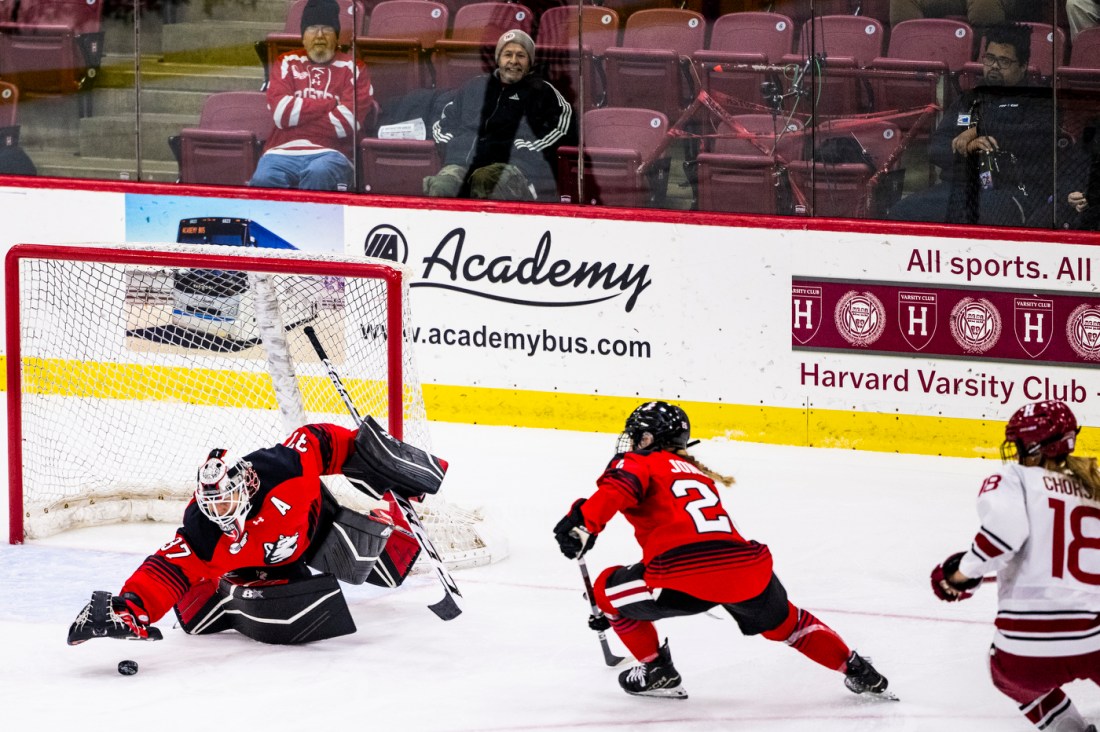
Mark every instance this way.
x=1004 y=139
x=319 y=97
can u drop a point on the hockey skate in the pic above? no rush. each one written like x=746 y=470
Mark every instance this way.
x=862 y=678
x=657 y=678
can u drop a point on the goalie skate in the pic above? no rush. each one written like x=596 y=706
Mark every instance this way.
x=657 y=678
x=862 y=678
x=98 y=619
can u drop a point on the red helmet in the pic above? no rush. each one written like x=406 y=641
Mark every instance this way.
x=1047 y=428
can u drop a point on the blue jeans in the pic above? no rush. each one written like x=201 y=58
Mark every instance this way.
x=324 y=171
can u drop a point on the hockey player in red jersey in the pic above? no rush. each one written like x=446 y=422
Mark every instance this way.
x=693 y=559
x=242 y=558
x=1040 y=533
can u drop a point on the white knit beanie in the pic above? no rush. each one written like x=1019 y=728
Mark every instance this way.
x=515 y=36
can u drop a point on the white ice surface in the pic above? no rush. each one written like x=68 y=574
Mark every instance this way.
x=854 y=537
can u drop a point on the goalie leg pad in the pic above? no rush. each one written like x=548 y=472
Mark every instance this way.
x=292 y=613
x=396 y=562
x=352 y=546
x=381 y=463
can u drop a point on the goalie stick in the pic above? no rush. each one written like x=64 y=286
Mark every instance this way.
x=610 y=658
x=447 y=608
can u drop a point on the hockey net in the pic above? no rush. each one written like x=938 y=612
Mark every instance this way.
x=128 y=363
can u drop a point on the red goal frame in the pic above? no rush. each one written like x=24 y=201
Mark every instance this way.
x=392 y=276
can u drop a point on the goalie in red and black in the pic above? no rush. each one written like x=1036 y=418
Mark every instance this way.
x=254 y=529
x=693 y=559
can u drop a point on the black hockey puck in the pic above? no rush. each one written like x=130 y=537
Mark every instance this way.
x=127 y=668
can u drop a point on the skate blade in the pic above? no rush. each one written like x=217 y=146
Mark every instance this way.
x=883 y=695
x=676 y=692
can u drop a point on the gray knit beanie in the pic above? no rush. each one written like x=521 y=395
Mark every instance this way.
x=515 y=36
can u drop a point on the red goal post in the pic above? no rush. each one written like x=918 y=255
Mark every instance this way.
x=126 y=363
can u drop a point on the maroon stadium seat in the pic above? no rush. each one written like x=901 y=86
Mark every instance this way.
x=740 y=39
x=557 y=53
x=400 y=35
x=225 y=147
x=742 y=170
x=53 y=47
x=396 y=167
x=646 y=71
x=619 y=164
x=469 y=50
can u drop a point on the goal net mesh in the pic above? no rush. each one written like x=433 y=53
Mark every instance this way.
x=132 y=372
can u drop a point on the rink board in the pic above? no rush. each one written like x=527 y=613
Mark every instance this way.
x=861 y=339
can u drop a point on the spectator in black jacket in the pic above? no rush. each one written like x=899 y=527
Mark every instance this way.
x=996 y=147
x=502 y=131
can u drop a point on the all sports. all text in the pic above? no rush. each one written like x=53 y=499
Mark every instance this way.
x=931 y=261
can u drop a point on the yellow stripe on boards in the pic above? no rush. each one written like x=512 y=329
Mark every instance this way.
x=903 y=433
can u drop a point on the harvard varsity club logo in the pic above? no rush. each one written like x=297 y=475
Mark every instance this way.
x=805 y=312
x=917 y=316
x=860 y=318
x=1033 y=321
x=1083 y=332
x=975 y=324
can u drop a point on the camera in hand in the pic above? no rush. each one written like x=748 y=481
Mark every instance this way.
x=997 y=170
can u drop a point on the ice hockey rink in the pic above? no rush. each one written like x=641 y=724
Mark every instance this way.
x=854 y=534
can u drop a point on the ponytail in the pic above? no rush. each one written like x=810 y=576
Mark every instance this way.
x=725 y=480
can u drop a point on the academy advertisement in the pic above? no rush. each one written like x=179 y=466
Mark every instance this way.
x=784 y=332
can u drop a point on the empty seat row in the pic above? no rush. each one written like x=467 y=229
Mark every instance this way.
x=51 y=47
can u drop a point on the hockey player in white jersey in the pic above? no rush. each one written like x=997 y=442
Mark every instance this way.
x=1040 y=533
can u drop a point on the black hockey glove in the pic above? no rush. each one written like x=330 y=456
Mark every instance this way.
x=947 y=590
x=599 y=623
x=111 y=616
x=573 y=538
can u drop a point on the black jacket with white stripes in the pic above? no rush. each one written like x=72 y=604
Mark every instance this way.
x=522 y=124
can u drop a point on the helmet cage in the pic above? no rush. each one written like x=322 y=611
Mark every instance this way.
x=665 y=425
x=224 y=492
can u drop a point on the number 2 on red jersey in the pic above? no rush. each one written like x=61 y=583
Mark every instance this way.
x=706 y=498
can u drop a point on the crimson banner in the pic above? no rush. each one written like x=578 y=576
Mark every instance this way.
x=907 y=319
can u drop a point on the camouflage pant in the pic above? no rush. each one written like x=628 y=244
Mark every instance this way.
x=500 y=182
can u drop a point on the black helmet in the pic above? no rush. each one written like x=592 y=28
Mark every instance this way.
x=666 y=424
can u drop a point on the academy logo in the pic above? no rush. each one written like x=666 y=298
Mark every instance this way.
x=805 y=312
x=1083 y=332
x=1033 y=322
x=975 y=324
x=860 y=318
x=386 y=242
x=917 y=316
x=277 y=552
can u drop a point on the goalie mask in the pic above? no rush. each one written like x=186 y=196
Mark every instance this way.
x=224 y=493
x=656 y=425
x=1041 y=428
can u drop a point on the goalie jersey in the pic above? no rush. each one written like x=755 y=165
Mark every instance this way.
x=284 y=517
x=1040 y=532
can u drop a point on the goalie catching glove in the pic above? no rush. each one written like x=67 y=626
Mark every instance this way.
x=573 y=538
x=947 y=590
x=381 y=462
x=112 y=616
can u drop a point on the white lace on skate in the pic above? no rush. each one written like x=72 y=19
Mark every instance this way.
x=636 y=675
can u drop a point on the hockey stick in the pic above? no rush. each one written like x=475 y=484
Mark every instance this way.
x=447 y=608
x=610 y=658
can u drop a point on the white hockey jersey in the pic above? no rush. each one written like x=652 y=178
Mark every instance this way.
x=1041 y=534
